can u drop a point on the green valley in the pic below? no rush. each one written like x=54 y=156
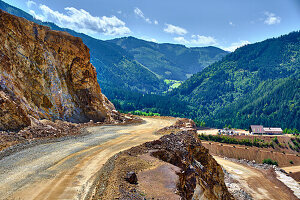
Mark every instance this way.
x=257 y=84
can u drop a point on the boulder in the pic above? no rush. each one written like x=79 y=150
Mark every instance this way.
x=131 y=178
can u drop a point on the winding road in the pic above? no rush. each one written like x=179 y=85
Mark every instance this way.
x=66 y=169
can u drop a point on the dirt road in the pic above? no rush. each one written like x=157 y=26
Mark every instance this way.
x=65 y=170
x=256 y=183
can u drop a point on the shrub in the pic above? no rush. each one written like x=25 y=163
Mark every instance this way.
x=270 y=162
x=276 y=140
x=291 y=162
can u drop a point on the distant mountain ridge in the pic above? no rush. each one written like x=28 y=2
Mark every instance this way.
x=257 y=84
x=170 y=61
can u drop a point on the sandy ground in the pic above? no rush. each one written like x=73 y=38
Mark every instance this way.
x=208 y=131
x=65 y=170
x=255 y=182
x=292 y=169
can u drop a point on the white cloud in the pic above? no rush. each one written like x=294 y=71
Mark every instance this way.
x=155 y=22
x=39 y=17
x=83 y=21
x=203 y=40
x=149 y=39
x=196 y=40
x=236 y=45
x=271 y=18
x=231 y=24
x=175 y=29
x=181 y=40
x=119 y=12
x=30 y=3
x=140 y=14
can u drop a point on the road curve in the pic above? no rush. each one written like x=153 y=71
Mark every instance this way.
x=259 y=185
x=66 y=169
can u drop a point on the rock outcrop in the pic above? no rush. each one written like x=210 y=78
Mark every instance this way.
x=46 y=74
x=176 y=166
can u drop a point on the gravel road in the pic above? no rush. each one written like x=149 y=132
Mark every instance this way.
x=256 y=183
x=65 y=169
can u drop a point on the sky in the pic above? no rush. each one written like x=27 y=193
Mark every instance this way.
x=227 y=24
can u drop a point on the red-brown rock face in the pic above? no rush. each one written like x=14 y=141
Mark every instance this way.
x=46 y=74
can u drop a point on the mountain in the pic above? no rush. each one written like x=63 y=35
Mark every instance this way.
x=170 y=61
x=46 y=74
x=115 y=67
x=256 y=84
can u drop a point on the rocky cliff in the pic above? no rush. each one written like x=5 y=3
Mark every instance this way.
x=46 y=74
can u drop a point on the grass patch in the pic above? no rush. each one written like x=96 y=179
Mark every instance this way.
x=172 y=84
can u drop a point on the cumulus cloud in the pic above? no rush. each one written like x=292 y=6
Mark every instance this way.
x=153 y=40
x=174 y=29
x=203 y=40
x=83 y=21
x=271 y=18
x=140 y=14
x=30 y=3
x=196 y=40
x=236 y=45
x=155 y=22
x=181 y=40
x=39 y=17
x=231 y=24
x=149 y=39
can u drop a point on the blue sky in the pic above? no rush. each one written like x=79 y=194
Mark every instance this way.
x=223 y=23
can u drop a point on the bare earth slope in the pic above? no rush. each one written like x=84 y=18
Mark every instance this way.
x=66 y=169
x=46 y=74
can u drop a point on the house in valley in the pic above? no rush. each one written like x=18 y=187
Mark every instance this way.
x=273 y=131
x=260 y=130
x=256 y=129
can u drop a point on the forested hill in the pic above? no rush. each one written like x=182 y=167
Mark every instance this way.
x=170 y=61
x=115 y=67
x=257 y=84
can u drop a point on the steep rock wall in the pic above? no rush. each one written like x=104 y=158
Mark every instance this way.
x=46 y=74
